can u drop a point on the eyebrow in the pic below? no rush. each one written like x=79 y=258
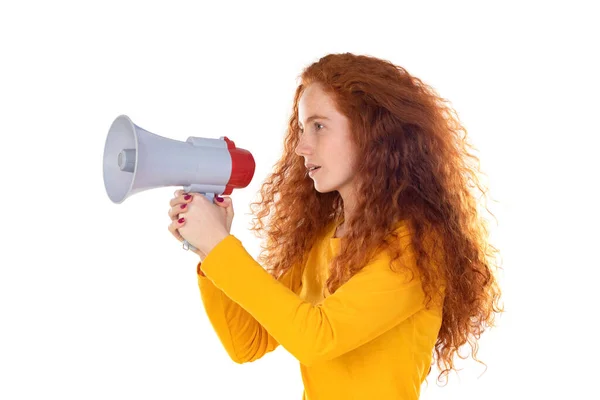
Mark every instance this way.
x=313 y=117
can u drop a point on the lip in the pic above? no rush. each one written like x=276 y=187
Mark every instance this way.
x=312 y=173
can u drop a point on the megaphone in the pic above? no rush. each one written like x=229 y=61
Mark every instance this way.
x=136 y=160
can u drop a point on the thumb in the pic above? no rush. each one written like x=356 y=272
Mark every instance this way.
x=227 y=203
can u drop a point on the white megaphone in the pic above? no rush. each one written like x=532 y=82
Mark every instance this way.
x=136 y=160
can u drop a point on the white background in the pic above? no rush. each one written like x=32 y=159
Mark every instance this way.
x=99 y=301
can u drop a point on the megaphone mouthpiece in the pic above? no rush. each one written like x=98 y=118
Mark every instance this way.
x=126 y=160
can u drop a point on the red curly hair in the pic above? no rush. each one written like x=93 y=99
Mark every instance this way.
x=415 y=154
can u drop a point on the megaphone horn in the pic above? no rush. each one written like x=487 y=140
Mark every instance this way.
x=136 y=160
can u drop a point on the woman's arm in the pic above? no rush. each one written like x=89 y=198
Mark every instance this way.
x=242 y=336
x=370 y=303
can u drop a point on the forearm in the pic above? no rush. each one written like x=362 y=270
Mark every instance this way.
x=242 y=336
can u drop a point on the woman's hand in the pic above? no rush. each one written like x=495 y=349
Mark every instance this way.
x=227 y=204
x=176 y=212
x=180 y=200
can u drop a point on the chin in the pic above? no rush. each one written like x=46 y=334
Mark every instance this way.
x=324 y=189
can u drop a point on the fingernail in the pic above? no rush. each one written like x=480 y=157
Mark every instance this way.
x=183 y=206
x=180 y=220
x=187 y=197
x=219 y=199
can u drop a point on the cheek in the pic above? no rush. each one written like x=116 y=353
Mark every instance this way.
x=347 y=158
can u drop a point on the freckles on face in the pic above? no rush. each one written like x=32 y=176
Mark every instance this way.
x=315 y=102
x=319 y=117
x=326 y=140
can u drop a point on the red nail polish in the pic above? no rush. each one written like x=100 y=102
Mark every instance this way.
x=187 y=197
x=219 y=199
x=183 y=206
x=181 y=220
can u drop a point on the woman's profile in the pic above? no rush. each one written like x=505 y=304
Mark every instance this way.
x=377 y=264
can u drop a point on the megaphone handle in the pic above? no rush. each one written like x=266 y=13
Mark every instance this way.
x=210 y=196
x=188 y=246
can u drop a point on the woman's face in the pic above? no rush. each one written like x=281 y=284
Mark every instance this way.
x=325 y=140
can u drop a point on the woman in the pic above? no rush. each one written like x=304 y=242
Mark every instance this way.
x=377 y=262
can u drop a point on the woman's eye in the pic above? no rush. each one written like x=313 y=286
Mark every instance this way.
x=316 y=125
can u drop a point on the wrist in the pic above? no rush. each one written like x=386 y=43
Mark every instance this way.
x=218 y=238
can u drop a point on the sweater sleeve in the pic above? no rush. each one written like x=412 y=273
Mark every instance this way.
x=371 y=302
x=242 y=336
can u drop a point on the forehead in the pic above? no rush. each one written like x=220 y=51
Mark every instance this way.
x=315 y=99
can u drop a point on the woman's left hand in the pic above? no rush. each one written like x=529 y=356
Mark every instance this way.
x=205 y=223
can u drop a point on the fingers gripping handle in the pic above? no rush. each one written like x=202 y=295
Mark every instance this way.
x=210 y=196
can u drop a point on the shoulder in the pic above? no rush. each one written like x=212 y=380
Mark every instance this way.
x=398 y=266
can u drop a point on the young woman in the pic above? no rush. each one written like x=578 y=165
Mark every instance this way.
x=377 y=263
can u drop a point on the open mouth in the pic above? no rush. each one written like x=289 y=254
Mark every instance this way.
x=312 y=171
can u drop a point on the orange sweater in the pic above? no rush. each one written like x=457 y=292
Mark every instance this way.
x=371 y=339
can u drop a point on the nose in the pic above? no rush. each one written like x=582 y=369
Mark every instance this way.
x=303 y=148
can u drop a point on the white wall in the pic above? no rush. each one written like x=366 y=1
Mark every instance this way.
x=99 y=301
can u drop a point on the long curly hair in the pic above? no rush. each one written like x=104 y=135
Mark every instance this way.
x=414 y=167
